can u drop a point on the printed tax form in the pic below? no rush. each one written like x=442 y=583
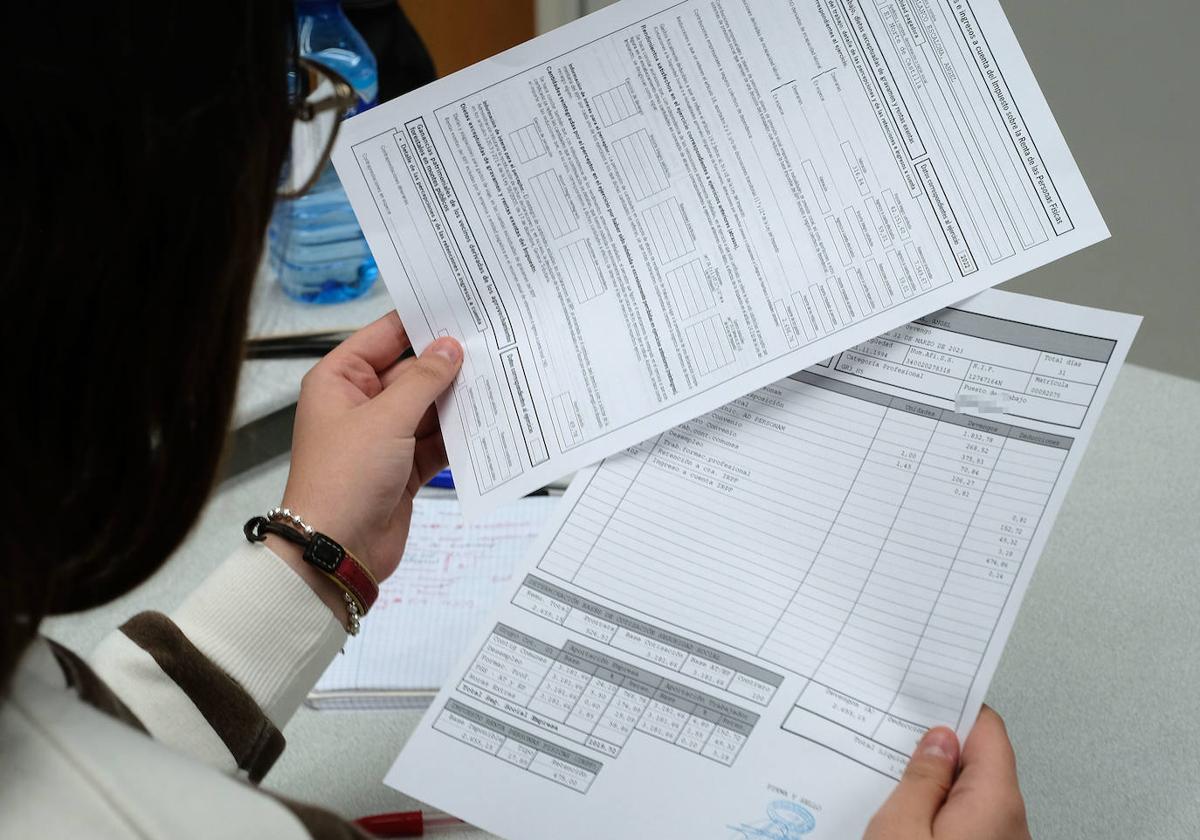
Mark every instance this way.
x=643 y=215
x=741 y=627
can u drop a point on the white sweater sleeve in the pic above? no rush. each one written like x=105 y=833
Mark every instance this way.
x=225 y=672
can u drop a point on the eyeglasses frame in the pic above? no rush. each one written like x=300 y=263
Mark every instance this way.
x=343 y=99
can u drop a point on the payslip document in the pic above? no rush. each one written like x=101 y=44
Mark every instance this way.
x=657 y=209
x=740 y=628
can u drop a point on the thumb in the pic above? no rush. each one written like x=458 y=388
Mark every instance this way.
x=418 y=383
x=922 y=791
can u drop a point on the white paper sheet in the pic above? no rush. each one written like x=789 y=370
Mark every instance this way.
x=741 y=627
x=638 y=217
x=451 y=576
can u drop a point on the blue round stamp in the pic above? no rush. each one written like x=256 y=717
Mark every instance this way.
x=785 y=821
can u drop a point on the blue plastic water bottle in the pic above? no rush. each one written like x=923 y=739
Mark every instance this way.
x=317 y=248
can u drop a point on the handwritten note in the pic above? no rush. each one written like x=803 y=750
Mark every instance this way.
x=450 y=577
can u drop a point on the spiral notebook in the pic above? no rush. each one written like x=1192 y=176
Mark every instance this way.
x=451 y=576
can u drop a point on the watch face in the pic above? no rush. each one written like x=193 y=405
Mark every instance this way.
x=323 y=553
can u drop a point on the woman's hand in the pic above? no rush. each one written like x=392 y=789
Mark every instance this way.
x=983 y=802
x=366 y=439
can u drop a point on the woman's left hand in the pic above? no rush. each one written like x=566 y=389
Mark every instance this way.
x=941 y=797
x=366 y=439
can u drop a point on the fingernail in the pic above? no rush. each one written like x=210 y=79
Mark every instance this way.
x=938 y=743
x=447 y=348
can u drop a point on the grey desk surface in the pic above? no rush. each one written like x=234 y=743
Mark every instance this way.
x=1099 y=682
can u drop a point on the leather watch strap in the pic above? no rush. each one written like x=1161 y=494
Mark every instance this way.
x=325 y=554
x=345 y=569
x=358 y=581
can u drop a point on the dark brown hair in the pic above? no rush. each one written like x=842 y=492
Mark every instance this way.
x=140 y=145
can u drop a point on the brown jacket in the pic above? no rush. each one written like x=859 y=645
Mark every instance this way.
x=167 y=728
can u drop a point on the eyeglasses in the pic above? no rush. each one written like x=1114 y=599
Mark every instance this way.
x=323 y=97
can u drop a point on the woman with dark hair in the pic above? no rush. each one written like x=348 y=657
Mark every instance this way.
x=142 y=147
x=135 y=207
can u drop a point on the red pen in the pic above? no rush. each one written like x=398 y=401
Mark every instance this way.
x=406 y=823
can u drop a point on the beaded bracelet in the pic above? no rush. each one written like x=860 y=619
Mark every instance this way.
x=358 y=585
x=277 y=514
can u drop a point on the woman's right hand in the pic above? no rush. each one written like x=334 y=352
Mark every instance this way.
x=366 y=440
x=982 y=802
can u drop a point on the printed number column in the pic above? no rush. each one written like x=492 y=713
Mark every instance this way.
x=869 y=658
x=911 y=579
x=818 y=624
x=981 y=579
